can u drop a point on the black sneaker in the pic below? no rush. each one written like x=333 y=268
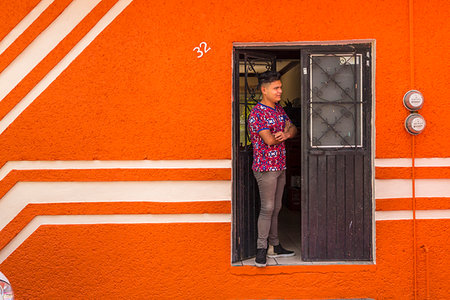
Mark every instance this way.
x=279 y=251
x=260 y=260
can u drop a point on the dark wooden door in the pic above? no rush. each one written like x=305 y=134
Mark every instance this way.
x=336 y=154
x=246 y=202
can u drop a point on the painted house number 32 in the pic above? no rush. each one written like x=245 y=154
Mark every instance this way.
x=201 y=49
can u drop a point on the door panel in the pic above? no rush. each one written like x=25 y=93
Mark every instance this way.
x=337 y=207
x=246 y=202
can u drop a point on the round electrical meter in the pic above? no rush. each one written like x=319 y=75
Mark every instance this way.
x=413 y=100
x=415 y=124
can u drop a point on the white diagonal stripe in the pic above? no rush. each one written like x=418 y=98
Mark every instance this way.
x=107 y=219
x=24 y=193
x=44 y=43
x=24 y=24
x=113 y=164
x=174 y=218
x=64 y=63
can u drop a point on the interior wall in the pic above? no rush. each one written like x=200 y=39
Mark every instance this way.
x=291 y=87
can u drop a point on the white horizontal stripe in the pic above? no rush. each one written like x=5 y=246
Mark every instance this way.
x=393 y=162
x=432 y=162
x=408 y=214
x=393 y=215
x=24 y=193
x=44 y=43
x=64 y=63
x=402 y=188
x=24 y=24
x=393 y=188
x=113 y=164
x=407 y=162
x=432 y=187
x=106 y=219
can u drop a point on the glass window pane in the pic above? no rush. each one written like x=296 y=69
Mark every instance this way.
x=333 y=125
x=335 y=100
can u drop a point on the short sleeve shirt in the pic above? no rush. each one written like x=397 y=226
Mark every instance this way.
x=265 y=157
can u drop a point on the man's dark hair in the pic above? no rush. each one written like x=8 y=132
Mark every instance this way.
x=268 y=77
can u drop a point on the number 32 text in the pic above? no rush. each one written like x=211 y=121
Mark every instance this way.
x=201 y=51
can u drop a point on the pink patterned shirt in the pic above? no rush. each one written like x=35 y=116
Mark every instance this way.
x=265 y=157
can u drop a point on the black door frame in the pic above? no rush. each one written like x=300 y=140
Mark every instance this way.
x=280 y=47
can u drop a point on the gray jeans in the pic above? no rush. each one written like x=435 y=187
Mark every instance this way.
x=271 y=187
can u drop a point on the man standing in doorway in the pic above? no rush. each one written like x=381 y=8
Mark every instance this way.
x=269 y=127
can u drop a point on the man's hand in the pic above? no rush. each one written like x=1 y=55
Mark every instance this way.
x=281 y=136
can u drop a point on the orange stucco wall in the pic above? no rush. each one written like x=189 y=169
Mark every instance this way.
x=143 y=64
x=139 y=92
x=192 y=261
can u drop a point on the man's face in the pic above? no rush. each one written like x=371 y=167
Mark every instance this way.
x=272 y=91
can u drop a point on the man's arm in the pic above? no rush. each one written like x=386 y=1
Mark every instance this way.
x=291 y=129
x=273 y=139
x=268 y=137
x=289 y=132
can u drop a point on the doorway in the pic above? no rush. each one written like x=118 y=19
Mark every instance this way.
x=327 y=204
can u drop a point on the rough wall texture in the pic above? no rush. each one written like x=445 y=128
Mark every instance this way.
x=118 y=98
x=193 y=261
x=139 y=92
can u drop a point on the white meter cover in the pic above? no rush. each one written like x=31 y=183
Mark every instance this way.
x=415 y=123
x=3 y=278
x=413 y=100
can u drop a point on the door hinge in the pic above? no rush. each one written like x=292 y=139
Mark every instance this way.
x=305 y=71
